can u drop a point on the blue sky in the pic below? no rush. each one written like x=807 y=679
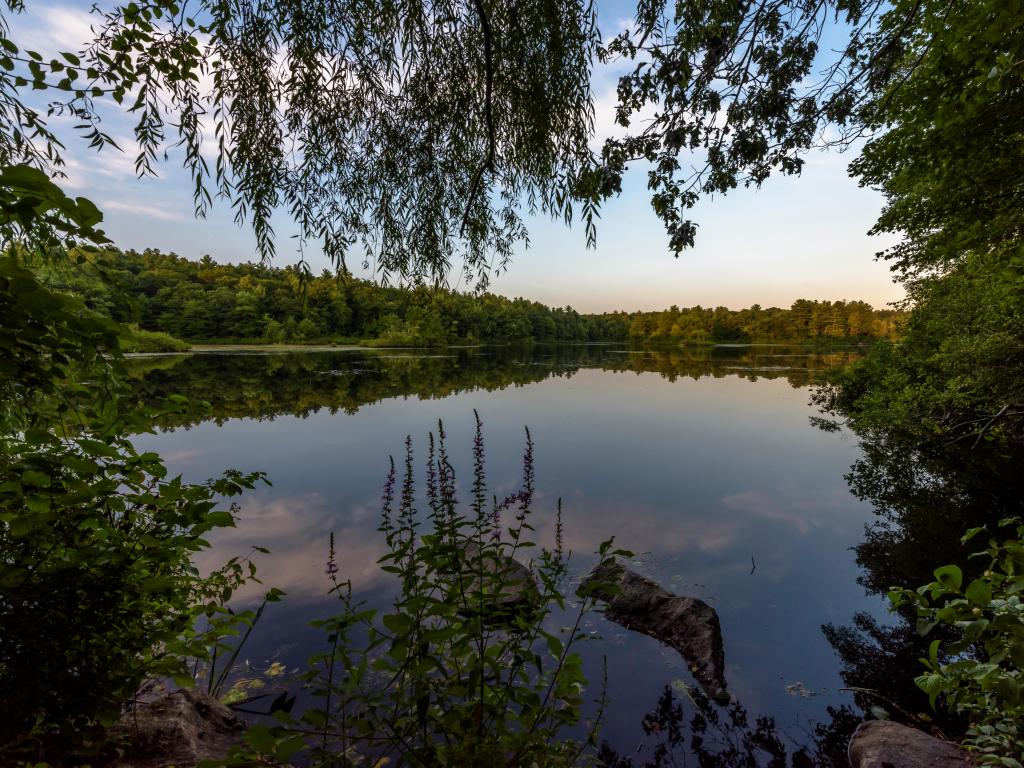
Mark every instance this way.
x=803 y=237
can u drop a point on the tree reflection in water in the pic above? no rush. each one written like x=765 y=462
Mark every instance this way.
x=924 y=496
x=690 y=730
x=264 y=386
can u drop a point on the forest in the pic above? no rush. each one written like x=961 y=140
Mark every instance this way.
x=205 y=301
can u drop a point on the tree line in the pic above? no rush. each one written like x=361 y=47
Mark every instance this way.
x=804 y=320
x=208 y=301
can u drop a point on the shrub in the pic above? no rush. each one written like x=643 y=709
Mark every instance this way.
x=452 y=674
x=97 y=589
x=99 y=593
x=979 y=675
x=139 y=340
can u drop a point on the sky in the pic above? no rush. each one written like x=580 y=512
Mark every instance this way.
x=795 y=237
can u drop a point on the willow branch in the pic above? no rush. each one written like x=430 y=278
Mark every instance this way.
x=488 y=164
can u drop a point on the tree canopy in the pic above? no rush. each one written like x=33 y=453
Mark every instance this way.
x=949 y=161
x=416 y=134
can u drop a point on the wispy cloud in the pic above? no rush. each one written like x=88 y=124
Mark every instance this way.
x=296 y=529
x=140 y=209
x=50 y=27
x=758 y=505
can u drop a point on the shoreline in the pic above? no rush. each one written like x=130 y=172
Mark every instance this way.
x=260 y=348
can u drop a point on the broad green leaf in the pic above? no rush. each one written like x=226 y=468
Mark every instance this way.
x=950 y=576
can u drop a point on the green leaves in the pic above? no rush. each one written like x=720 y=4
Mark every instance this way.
x=981 y=674
x=723 y=90
x=36 y=213
x=979 y=593
x=95 y=543
x=950 y=577
x=94 y=539
x=386 y=172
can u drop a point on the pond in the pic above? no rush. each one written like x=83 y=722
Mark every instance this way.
x=704 y=462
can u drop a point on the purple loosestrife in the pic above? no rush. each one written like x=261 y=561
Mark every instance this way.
x=446 y=479
x=388 y=497
x=523 y=497
x=433 y=495
x=406 y=511
x=479 y=473
x=332 y=565
x=559 y=544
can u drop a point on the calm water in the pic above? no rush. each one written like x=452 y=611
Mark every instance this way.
x=703 y=462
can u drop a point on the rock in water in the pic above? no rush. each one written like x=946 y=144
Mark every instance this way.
x=180 y=730
x=518 y=586
x=885 y=744
x=686 y=624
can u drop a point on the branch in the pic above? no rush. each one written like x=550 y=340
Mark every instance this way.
x=1002 y=412
x=1007 y=411
x=488 y=164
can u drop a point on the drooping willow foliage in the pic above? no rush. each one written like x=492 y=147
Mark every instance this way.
x=413 y=133
x=418 y=136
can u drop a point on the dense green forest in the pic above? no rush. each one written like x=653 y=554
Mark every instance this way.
x=830 y=321
x=207 y=301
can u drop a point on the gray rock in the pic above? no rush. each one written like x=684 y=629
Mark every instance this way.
x=686 y=624
x=178 y=730
x=518 y=586
x=885 y=744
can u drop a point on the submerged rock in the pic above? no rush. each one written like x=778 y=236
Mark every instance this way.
x=885 y=744
x=180 y=729
x=686 y=624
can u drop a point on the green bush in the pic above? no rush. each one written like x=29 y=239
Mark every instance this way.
x=139 y=340
x=980 y=674
x=97 y=589
x=99 y=593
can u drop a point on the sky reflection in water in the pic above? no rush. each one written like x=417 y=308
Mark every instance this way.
x=703 y=463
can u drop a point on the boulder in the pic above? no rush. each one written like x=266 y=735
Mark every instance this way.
x=178 y=730
x=885 y=744
x=518 y=586
x=686 y=624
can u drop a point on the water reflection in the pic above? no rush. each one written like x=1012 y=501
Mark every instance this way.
x=263 y=386
x=702 y=461
x=684 y=724
x=297 y=526
x=924 y=495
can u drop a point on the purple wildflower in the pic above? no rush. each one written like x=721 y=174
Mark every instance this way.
x=332 y=565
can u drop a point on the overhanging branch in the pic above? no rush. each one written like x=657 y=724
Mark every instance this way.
x=488 y=164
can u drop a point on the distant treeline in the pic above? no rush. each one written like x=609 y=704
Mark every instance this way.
x=804 y=320
x=207 y=301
